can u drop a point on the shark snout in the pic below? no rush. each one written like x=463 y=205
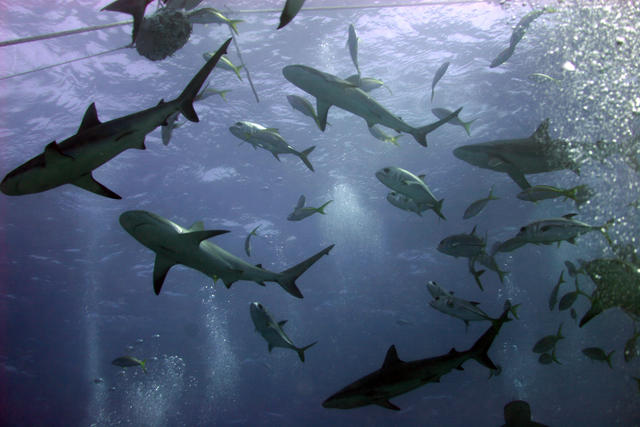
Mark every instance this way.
x=130 y=220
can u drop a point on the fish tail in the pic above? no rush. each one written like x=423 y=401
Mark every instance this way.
x=188 y=95
x=302 y=350
x=479 y=351
x=420 y=134
x=467 y=126
x=603 y=229
x=321 y=208
x=303 y=156
x=287 y=278
x=232 y=24
x=143 y=365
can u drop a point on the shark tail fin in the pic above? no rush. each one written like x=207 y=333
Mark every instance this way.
x=438 y=209
x=304 y=157
x=467 y=126
x=189 y=94
x=135 y=8
x=420 y=134
x=288 y=277
x=321 y=208
x=480 y=349
x=302 y=350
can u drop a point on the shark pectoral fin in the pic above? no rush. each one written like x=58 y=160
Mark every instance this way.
x=135 y=8
x=87 y=182
x=53 y=154
x=196 y=237
x=322 y=110
x=519 y=178
x=276 y=156
x=282 y=323
x=387 y=404
x=161 y=267
x=90 y=118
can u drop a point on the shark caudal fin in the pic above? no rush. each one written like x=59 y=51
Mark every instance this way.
x=420 y=134
x=135 y=8
x=189 y=94
x=438 y=209
x=288 y=277
x=303 y=156
x=479 y=351
x=302 y=350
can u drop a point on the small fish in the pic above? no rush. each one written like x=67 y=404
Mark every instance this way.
x=596 y=353
x=554 y=292
x=631 y=347
x=502 y=57
x=304 y=106
x=403 y=322
x=383 y=136
x=352 y=43
x=567 y=300
x=405 y=182
x=366 y=84
x=549 y=342
x=579 y=194
x=98 y=380
x=225 y=64
x=542 y=77
x=436 y=78
x=209 y=15
x=128 y=361
x=247 y=241
x=462 y=245
x=490 y=262
x=291 y=9
x=441 y=113
x=556 y=230
x=212 y=91
x=476 y=207
x=406 y=203
x=300 y=211
x=445 y=302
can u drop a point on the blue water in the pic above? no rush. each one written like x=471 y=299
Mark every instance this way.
x=76 y=289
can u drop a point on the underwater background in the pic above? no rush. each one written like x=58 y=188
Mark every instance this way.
x=76 y=290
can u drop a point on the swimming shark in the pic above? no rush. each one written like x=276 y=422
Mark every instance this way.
x=272 y=331
x=331 y=90
x=174 y=244
x=535 y=154
x=397 y=377
x=73 y=160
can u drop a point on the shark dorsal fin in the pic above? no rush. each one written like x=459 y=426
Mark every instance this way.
x=90 y=118
x=569 y=215
x=53 y=154
x=542 y=133
x=197 y=226
x=282 y=323
x=391 y=359
x=196 y=237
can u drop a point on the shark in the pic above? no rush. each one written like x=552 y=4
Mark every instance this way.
x=397 y=377
x=272 y=331
x=174 y=244
x=537 y=153
x=73 y=160
x=331 y=90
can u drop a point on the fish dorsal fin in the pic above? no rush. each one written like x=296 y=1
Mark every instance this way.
x=391 y=359
x=387 y=404
x=161 y=102
x=301 y=202
x=541 y=134
x=569 y=215
x=196 y=237
x=274 y=130
x=354 y=80
x=53 y=154
x=197 y=226
x=90 y=118
x=282 y=323
x=421 y=177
